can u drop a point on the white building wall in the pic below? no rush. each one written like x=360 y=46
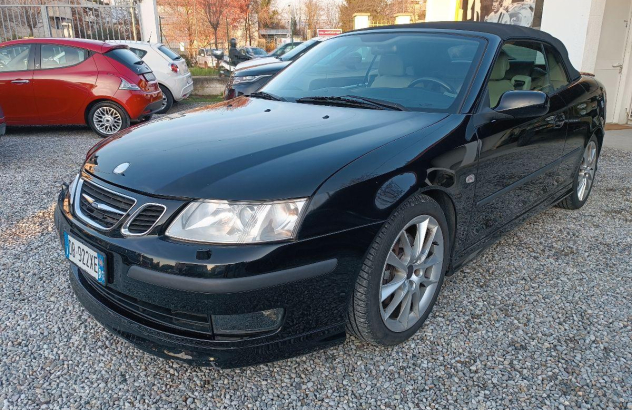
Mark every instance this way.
x=578 y=24
x=150 y=26
x=441 y=10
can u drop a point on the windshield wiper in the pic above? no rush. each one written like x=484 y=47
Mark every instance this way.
x=382 y=103
x=352 y=101
x=266 y=96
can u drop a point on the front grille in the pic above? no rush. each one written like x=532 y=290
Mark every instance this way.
x=185 y=321
x=102 y=206
x=145 y=219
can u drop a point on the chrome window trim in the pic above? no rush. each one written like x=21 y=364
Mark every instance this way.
x=86 y=219
x=126 y=232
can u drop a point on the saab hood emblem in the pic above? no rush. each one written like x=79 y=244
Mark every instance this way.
x=121 y=168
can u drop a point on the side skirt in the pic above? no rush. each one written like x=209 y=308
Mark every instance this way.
x=474 y=251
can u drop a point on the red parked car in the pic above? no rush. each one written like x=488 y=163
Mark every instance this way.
x=72 y=81
x=3 y=126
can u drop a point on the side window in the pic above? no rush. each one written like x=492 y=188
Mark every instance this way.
x=54 y=56
x=15 y=58
x=519 y=66
x=138 y=52
x=557 y=71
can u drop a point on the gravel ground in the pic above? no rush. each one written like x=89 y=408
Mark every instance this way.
x=541 y=320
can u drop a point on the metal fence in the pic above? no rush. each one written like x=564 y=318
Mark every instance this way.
x=96 y=22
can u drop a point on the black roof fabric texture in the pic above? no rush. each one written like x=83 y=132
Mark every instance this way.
x=504 y=31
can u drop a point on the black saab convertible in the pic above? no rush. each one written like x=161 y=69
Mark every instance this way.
x=334 y=200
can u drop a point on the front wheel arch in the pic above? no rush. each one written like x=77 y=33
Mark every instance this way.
x=446 y=203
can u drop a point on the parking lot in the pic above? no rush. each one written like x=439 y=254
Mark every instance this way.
x=543 y=319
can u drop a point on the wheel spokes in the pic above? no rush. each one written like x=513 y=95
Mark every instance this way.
x=390 y=288
x=411 y=273
x=399 y=296
x=395 y=262
x=419 y=239
x=404 y=310
x=586 y=173
x=405 y=243
x=426 y=263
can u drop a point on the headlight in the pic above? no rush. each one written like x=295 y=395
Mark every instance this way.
x=248 y=78
x=237 y=222
x=71 y=189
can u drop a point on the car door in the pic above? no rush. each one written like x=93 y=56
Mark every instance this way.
x=16 y=86
x=63 y=82
x=519 y=158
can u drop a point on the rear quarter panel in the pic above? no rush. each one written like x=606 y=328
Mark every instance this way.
x=585 y=100
x=109 y=78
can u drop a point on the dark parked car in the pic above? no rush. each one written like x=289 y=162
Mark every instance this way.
x=3 y=125
x=336 y=199
x=253 y=52
x=250 y=76
x=60 y=81
x=284 y=48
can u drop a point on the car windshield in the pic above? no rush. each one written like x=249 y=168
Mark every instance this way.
x=258 y=51
x=298 y=50
x=415 y=71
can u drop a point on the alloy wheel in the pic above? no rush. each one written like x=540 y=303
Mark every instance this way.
x=164 y=102
x=107 y=120
x=587 y=170
x=411 y=274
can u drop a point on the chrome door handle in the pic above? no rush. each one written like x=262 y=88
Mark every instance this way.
x=20 y=82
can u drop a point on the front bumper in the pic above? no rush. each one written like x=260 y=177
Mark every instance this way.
x=310 y=280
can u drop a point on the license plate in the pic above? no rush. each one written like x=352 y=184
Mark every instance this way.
x=88 y=260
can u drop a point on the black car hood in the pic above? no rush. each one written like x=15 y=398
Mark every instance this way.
x=270 y=68
x=247 y=148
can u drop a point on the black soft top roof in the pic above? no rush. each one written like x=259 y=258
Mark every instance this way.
x=504 y=31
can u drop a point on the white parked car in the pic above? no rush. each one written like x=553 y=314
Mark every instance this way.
x=209 y=57
x=171 y=71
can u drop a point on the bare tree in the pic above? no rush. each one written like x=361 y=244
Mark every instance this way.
x=181 y=21
x=331 y=14
x=213 y=10
x=312 y=10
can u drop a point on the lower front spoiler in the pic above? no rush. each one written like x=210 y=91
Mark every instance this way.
x=201 y=352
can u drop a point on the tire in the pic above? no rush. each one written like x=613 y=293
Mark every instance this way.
x=167 y=100
x=105 y=111
x=585 y=174
x=367 y=315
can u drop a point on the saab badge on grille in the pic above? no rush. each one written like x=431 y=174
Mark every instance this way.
x=121 y=168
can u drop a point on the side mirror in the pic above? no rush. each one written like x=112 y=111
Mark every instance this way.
x=523 y=104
